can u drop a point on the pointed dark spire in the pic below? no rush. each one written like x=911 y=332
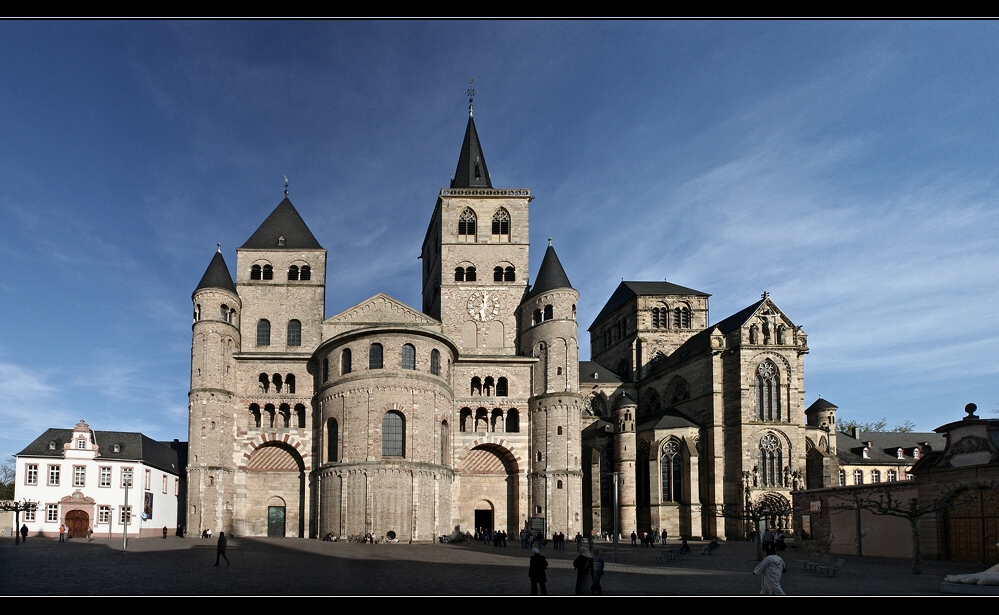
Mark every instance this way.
x=284 y=228
x=551 y=275
x=217 y=275
x=471 y=171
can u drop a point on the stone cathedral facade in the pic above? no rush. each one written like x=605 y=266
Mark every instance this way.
x=475 y=410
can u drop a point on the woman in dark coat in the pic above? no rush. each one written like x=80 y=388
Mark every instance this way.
x=584 y=569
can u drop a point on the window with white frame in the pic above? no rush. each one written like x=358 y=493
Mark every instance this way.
x=81 y=444
x=124 y=515
x=164 y=483
x=29 y=514
x=104 y=514
x=31 y=474
x=105 y=477
x=79 y=476
x=54 y=476
x=126 y=477
x=51 y=513
x=149 y=479
x=892 y=476
x=858 y=477
x=875 y=476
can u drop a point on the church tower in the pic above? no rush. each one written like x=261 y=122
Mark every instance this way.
x=212 y=401
x=548 y=332
x=475 y=256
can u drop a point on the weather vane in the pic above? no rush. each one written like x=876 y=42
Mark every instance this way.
x=470 y=92
x=286 y=185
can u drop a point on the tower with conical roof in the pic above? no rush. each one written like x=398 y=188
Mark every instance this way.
x=548 y=332
x=213 y=404
x=475 y=255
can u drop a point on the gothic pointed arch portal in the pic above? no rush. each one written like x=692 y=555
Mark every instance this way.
x=490 y=478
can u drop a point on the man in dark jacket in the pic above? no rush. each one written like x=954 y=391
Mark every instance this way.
x=220 y=550
x=536 y=572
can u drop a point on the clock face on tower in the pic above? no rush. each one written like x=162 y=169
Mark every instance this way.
x=483 y=305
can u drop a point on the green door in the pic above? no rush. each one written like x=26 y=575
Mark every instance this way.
x=275 y=521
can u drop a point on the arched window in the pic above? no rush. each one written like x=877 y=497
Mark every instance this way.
x=255 y=415
x=278 y=381
x=465 y=420
x=875 y=476
x=289 y=384
x=512 y=420
x=501 y=225
x=435 y=362
x=466 y=226
x=445 y=443
x=263 y=333
x=537 y=317
x=509 y=275
x=842 y=478
x=672 y=472
x=501 y=387
x=393 y=435
x=549 y=312
x=294 y=333
x=300 y=415
x=469 y=274
x=265 y=382
x=345 y=366
x=285 y=411
x=858 y=477
x=267 y=272
x=293 y=272
x=681 y=317
x=305 y=273
x=332 y=440
x=771 y=461
x=326 y=370
x=459 y=274
x=375 y=356
x=497 y=274
x=892 y=476
x=476 y=388
x=679 y=390
x=768 y=392
x=255 y=272
x=408 y=356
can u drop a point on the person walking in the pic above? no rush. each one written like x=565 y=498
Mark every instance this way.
x=24 y=532
x=598 y=571
x=536 y=572
x=770 y=570
x=584 y=571
x=220 y=549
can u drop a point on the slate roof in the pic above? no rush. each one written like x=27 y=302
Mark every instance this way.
x=550 y=276
x=134 y=447
x=821 y=404
x=471 y=171
x=629 y=290
x=885 y=447
x=285 y=222
x=217 y=275
x=603 y=375
x=668 y=418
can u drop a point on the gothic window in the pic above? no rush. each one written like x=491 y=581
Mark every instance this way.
x=345 y=366
x=466 y=226
x=435 y=362
x=549 y=312
x=501 y=387
x=679 y=390
x=332 y=440
x=768 y=392
x=255 y=272
x=459 y=274
x=305 y=273
x=501 y=225
x=771 y=461
x=375 y=356
x=512 y=421
x=408 y=356
x=681 y=317
x=267 y=273
x=263 y=333
x=671 y=464
x=497 y=274
x=393 y=435
x=294 y=333
x=875 y=476
x=650 y=401
x=470 y=274
x=657 y=359
x=293 y=272
x=509 y=275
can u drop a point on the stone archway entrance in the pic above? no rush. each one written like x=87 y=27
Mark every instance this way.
x=275 y=492
x=490 y=480
x=77 y=523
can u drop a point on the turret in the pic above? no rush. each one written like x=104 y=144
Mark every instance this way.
x=625 y=450
x=212 y=399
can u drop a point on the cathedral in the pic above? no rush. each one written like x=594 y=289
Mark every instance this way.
x=475 y=411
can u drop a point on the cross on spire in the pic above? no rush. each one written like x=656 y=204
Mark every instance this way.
x=470 y=92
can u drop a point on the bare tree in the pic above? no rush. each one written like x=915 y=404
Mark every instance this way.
x=7 y=471
x=768 y=506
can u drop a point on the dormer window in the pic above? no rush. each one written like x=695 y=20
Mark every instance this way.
x=52 y=445
x=915 y=453
x=81 y=444
x=867 y=452
x=281 y=241
x=116 y=448
x=901 y=453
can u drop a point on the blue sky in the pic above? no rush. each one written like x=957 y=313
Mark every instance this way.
x=847 y=167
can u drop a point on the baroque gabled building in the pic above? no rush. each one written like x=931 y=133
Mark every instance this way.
x=470 y=412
